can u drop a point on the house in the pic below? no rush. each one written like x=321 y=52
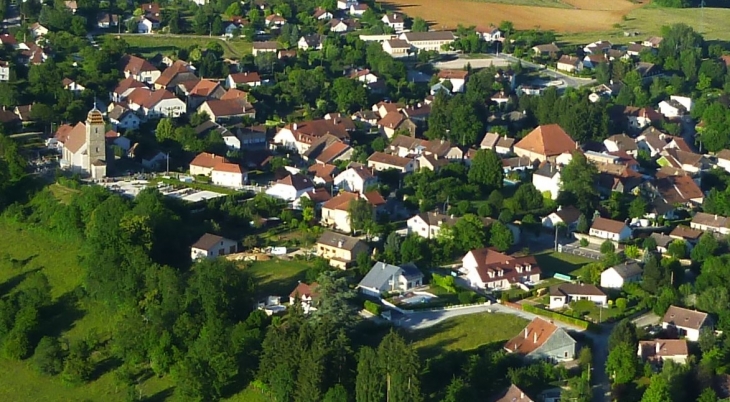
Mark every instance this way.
x=690 y=162
x=211 y=246
x=428 y=41
x=251 y=79
x=723 y=159
x=610 y=229
x=545 y=143
x=318 y=196
x=546 y=179
x=275 y=21
x=147 y=23
x=229 y=175
x=598 y=47
x=647 y=71
x=85 y=149
x=156 y=104
x=322 y=173
x=204 y=163
x=37 y=30
x=621 y=143
x=543 y=340
x=346 y=4
x=567 y=216
x=617 y=276
x=457 y=78
x=335 y=211
x=570 y=64
x=179 y=73
x=660 y=350
x=710 y=223
x=676 y=106
x=339 y=249
x=306 y=295
x=328 y=149
x=311 y=42
x=5 y=71
x=322 y=14
x=291 y=187
x=357 y=10
x=513 y=394
x=394 y=122
x=489 y=269
x=71 y=5
x=547 y=50
x=71 y=85
x=113 y=138
x=428 y=224
x=300 y=136
x=395 y=21
x=264 y=47
x=652 y=42
x=227 y=110
x=385 y=278
x=355 y=180
x=382 y=161
x=122 y=118
x=489 y=34
x=105 y=20
x=140 y=69
x=686 y=322
x=566 y=293
x=397 y=48
x=689 y=235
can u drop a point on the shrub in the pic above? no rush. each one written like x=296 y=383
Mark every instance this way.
x=445 y=282
x=607 y=247
x=621 y=304
x=466 y=297
x=556 y=316
x=583 y=242
x=373 y=307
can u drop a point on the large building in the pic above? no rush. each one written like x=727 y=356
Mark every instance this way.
x=84 y=146
x=545 y=143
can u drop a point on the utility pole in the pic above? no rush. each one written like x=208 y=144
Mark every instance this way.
x=556 y=237
x=167 y=171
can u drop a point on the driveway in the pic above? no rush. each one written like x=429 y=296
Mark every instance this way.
x=569 y=81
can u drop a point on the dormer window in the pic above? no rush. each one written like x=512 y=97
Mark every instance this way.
x=528 y=267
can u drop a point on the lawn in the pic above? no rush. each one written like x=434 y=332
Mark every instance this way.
x=149 y=45
x=63 y=193
x=552 y=262
x=276 y=276
x=467 y=332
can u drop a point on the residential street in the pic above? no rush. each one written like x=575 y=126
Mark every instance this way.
x=569 y=81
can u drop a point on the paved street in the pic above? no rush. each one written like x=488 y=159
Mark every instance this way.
x=569 y=81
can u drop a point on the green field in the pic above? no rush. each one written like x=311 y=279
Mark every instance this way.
x=552 y=262
x=648 y=21
x=149 y=45
x=277 y=277
x=466 y=332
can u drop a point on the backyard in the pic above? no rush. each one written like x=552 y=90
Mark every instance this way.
x=552 y=262
x=276 y=276
x=150 y=45
x=466 y=332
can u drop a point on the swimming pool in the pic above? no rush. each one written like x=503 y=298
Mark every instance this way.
x=417 y=299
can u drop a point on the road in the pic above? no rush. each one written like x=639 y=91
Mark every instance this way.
x=460 y=63
x=569 y=81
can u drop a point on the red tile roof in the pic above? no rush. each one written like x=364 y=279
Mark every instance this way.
x=547 y=140
x=207 y=160
x=532 y=337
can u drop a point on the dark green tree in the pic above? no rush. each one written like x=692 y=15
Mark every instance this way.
x=48 y=356
x=369 y=381
x=578 y=184
x=486 y=170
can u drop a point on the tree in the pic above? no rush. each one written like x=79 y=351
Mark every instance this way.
x=677 y=249
x=48 y=356
x=467 y=233
x=360 y=214
x=708 y=395
x=77 y=368
x=334 y=303
x=622 y=364
x=412 y=250
x=486 y=170
x=706 y=247
x=578 y=187
x=658 y=390
x=338 y=393
x=623 y=333
x=654 y=276
x=500 y=236
x=457 y=391
x=638 y=207
x=419 y=25
x=583 y=225
x=585 y=357
x=607 y=247
x=165 y=130
x=392 y=248
x=369 y=381
x=401 y=367
x=349 y=94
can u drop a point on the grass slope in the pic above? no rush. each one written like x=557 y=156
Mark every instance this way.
x=552 y=262
x=150 y=45
x=466 y=332
x=276 y=276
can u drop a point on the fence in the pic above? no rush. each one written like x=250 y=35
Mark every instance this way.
x=594 y=255
x=577 y=322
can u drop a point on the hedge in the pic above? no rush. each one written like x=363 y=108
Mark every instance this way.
x=556 y=316
x=373 y=307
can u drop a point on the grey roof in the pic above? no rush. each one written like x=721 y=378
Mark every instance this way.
x=568 y=214
x=430 y=35
x=627 y=269
x=569 y=289
x=207 y=241
x=339 y=240
x=661 y=239
x=547 y=169
x=381 y=273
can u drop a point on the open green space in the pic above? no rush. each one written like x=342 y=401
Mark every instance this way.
x=648 y=21
x=467 y=332
x=276 y=276
x=533 y=3
x=552 y=262
x=150 y=45
x=63 y=193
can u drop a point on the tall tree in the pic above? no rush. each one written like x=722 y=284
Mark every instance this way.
x=622 y=364
x=369 y=382
x=360 y=213
x=578 y=184
x=658 y=390
x=401 y=367
x=486 y=170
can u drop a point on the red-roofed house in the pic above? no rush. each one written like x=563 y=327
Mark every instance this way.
x=139 y=69
x=334 y=211
x=230 y=175
x=543 y=340
x=204 y=163
x=156 y=104
x=489 y=269
x=252 y=79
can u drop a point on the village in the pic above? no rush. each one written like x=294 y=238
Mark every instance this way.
x=575 y=197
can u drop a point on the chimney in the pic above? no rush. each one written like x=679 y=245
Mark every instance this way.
x=641 y=351
x=534 y=337
x=658 y=346
x=527 y=331
x=339 y=244
x=522 y=395
x=294 y=127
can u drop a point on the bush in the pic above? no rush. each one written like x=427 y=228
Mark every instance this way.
x=445 y=282
x=556 y=316
x=583 y=242
x=607 y=247
x=373 y=307
x=466 y=297
x=621 y=304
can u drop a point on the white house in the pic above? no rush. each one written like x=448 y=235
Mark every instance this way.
x=546 y=179
x=346 y=4
x=617 y=276
x=686 y=322
x=4 y=71
x=252 y=79
x=610 y=229
x=723 y=159
x=37 y=30
x=73 y=86
x=457 y=78
x=275 y=21
x=211 y=246
x=335 y=212
x=661 y=350
x=156 y=104
x=385 y=278
x=229 y=175
x=311 y=42
x=382 y=161
x=305 y=294
x=322 y=14
x=357 y=10
x=428 y=41
x=565 y=293
x=145 y=25
x=567 y=216
x=489 y=269
x=355 y=180
x=710 y=223
x=397 y=48
x=123 y=118
x=569 y=63
x=395 y=21
x=204 y=163
x=291 y=187
x=489 y=34
x=428 y=224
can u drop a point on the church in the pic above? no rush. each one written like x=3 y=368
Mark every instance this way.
x=84 y=146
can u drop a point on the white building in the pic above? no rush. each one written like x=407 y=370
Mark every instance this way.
x=355 y=180
x=567 y=216
x=291 y=187
x=566 y=293
x=617 y=276
x=84 y=146
x=386 y=278
x=4 y=71
x=229 y=175
x=661 y=350
x=211 y=246
x=723 y=159
x=428 y=41
x=686 y=322
x=610 y=229
x=395 y=21
x=546 y=179
x=489 y=269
